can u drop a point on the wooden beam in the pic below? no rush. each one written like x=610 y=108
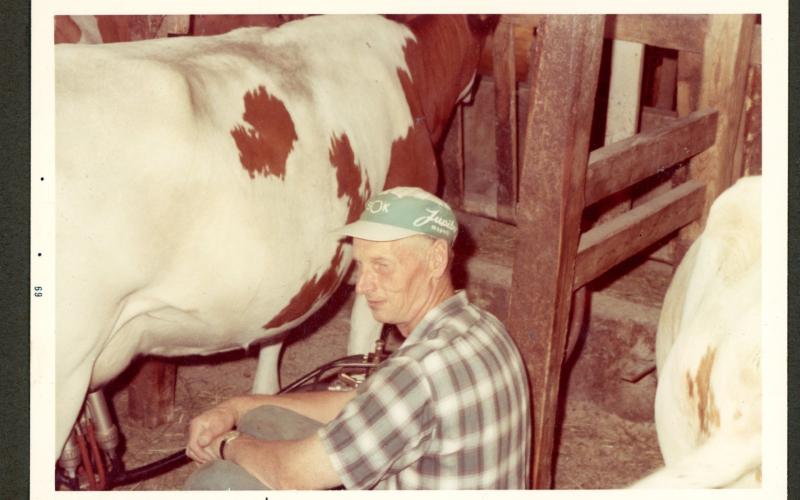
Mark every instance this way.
x=690 y=68
x=655 y=118
x=615 y=167
x=565 y=69
x=505 y=92
x=605 y=246
x=750 y=128
x=665 y=82
x=724 y=77
x=521 y=27
x=755 y=47
x=684 y=32
x=748 y=144
x=151 y=393
x=669 y=31
x=453 y=161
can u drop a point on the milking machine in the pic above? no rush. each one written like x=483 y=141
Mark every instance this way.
x=89 y=460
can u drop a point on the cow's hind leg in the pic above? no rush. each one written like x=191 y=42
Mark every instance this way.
x=364 y=331
x=266 y=379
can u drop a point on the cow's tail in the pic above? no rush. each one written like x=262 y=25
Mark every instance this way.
x=720 y=462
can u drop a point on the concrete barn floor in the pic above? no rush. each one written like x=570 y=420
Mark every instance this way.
x=607 y=438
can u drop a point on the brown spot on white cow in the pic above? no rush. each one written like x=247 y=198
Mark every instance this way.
x=116 y=28
x=315 y=289
x=266 y=143
x=413 y=161
x=431 y=86
x=348 y=176
x=707 y=411
x=438 y=77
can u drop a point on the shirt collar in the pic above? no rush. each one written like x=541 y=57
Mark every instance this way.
x=444 y=309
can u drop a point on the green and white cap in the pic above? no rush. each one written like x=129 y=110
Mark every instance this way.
x=402 y=212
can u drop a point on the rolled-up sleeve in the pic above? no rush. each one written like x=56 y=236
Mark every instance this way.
x=386 y=427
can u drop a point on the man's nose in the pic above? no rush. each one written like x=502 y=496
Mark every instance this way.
x=364 y=282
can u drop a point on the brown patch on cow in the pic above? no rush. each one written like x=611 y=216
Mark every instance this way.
x=690 y=384
x=441 y=63
x=66 y=30
x=318 y=287
x=758 y=474
x=707 y=411
x=116 y=28
x=413 y=162
x=348 y=176
x=266 y=144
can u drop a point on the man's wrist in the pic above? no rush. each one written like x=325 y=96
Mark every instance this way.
x=226 y=440
x=231 y=407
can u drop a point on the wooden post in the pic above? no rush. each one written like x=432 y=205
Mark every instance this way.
x=505 y=86
x=748 y=146
x=565 y=68
x=726 y=56
x=622 y=118
x=151 y=393
x=453 y=161
x=690 y=68
x=666 y=76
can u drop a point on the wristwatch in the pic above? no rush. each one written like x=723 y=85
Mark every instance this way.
x=227 y=438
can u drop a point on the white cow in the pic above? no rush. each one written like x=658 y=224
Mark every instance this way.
x=199 y=179
x=708 y=353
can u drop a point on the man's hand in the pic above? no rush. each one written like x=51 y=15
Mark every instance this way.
x=205 y=429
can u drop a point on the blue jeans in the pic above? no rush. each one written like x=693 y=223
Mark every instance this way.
x=265 y=422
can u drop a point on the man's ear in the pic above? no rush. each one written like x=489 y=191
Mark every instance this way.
x=438 y=255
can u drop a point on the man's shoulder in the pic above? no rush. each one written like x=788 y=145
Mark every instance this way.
x=473 y=317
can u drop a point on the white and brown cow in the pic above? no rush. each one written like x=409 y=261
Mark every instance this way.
x=708 y=353
x=198 y=179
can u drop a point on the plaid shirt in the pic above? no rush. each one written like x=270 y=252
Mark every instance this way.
x=448 y=410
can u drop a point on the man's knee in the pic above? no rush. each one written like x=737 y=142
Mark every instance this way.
x=222 y=475
x=275 y=423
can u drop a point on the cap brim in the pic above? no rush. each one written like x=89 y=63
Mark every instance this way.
x=373 y=231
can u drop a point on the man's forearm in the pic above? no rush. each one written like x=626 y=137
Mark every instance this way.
x=321 y=406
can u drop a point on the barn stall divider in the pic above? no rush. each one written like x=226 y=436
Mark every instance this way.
x=703 y=133
x=583 y=193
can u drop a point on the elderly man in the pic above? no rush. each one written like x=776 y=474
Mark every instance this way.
x=448 y=410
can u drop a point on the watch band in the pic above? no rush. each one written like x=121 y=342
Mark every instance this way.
x=227 y=438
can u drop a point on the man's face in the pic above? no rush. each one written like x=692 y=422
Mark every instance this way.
x=394 y=277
